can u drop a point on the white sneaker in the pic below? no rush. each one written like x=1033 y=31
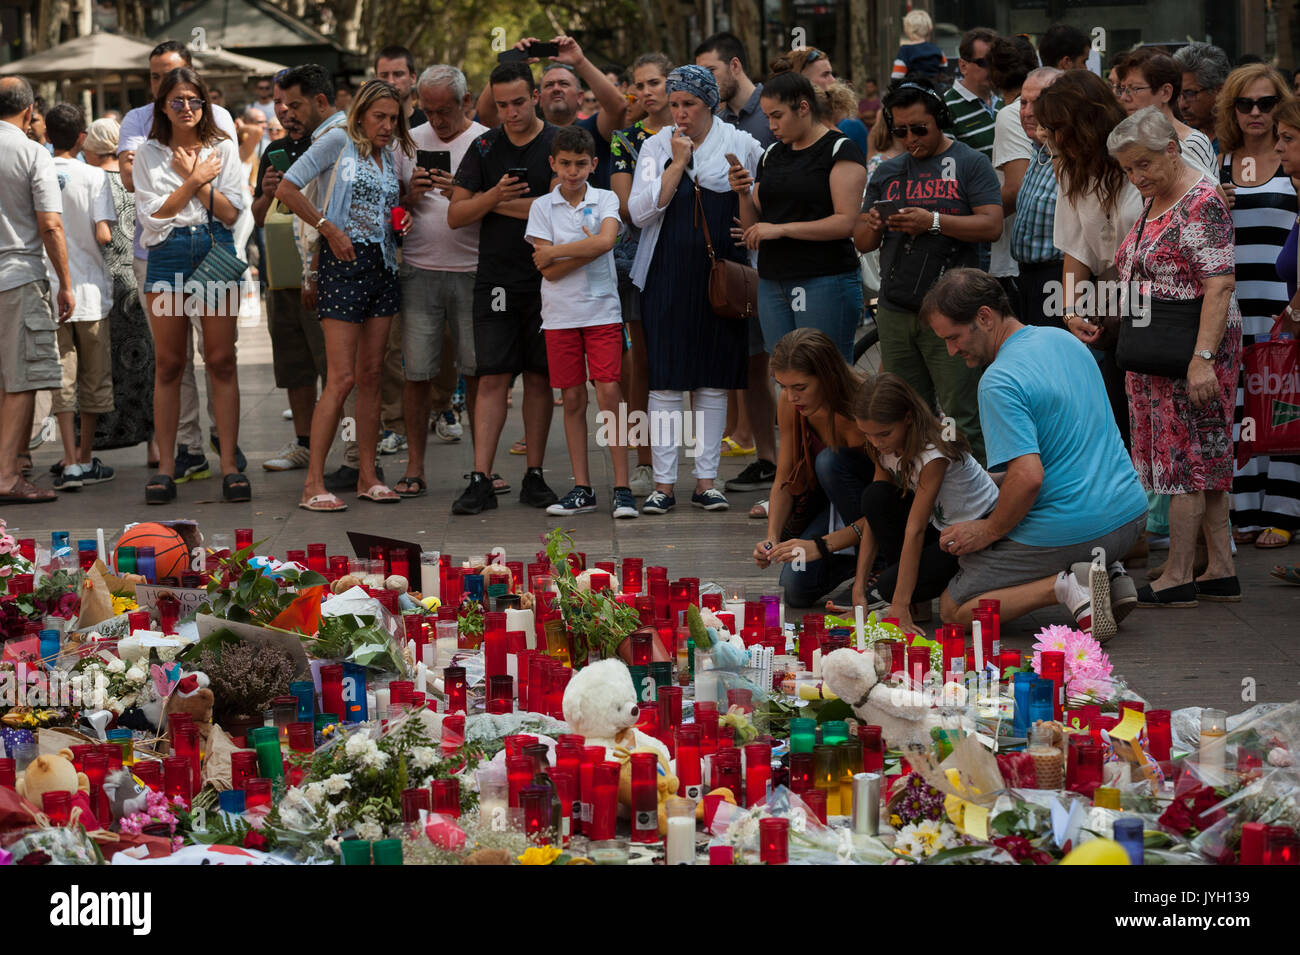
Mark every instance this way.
x=392 y=443
x=292 y=456
x=643 y=480
x=287 y=414
x=447 y=426
x=1074 y=597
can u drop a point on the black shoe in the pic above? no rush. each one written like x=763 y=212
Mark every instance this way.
x=345 y=478
x=235 y=489
x=1183 y=595
x=534 y=491
x=757 y=477
x=160 y=490
x=478 y=497
x=1225 y=590
x=96 y=472
x=190 y=467
x=241 y=462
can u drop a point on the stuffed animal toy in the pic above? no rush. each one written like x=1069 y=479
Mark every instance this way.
x=125 y=793
x=55 y=772
x=582 y=581
x=600 y=704
x=903 y=715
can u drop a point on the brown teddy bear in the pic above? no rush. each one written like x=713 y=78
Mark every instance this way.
x=56 y=773
x=191 y=695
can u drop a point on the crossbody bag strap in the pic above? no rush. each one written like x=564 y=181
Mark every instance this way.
x=703 y=223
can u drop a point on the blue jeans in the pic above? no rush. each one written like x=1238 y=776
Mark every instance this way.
x=832 y=303
x=842 y=476
x=181 y=252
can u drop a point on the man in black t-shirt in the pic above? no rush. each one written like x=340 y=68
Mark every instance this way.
x=507 y=290
x=396 y=65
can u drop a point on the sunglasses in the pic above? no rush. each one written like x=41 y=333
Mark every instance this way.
x=813 y=56
x=1245 y=105
x=900 y=132
x=982 y=62
x=179 y=104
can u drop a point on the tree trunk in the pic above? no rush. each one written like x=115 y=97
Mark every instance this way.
x=861 y=65
x=51 y=16
x=746 y=25
x=349 y=13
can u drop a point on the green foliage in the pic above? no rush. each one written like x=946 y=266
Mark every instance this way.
x=596 y=620
x=356 y=638
x=255 y=598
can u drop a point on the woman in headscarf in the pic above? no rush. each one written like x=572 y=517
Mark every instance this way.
x=680 y=190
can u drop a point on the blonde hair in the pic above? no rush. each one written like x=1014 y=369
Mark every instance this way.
x=844 y=102
x=1226 y=127
x=917 y=25
x=366 y=97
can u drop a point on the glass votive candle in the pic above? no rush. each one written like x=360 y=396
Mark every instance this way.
x=801 y=771
x=608 y=852
x=8 y=774
x=1159 y=735
x=257 y=792
x=835 y=732
x=243 y=767
x=803 y=734
x=773 y=840
x=355 y=851
x=446 y=796
x=149 y=772
x=742 y=698
x=57 y=806
x=413 y=800
x=873 y=748
x=815 y=800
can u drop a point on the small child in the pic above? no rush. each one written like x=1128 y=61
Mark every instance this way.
x=947 y=485
x=574 y=229
x=88 y=215
x=917 y=54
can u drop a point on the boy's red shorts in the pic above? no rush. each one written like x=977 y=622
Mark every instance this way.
x=576 y=355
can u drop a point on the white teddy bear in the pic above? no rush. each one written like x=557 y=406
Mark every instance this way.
x=600 y=704
x=903 y=715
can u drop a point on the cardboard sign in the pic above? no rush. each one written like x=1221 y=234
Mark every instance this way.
x=362 y=543
x=190 y=598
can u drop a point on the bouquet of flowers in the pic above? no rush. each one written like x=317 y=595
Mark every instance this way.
x=160 y=816
x=1088 y=670
x=11 y=561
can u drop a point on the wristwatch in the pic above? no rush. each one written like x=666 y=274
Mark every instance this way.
x=934 y=225
x=1205 y=354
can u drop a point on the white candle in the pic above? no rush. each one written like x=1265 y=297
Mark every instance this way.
x=383 y=698
x=857 y=626
x=976 y=635
x=681 y=841
x=522 y=620
x=430 y=583
x=421 y=678
x=103 y=551
x=817 y=664
x=737 y=609
x=429 y=654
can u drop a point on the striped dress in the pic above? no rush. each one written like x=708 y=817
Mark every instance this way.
x=1266 y=491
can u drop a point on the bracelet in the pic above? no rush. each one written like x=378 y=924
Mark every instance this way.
x=856 y=529
x=322 y=221
x=822 y=548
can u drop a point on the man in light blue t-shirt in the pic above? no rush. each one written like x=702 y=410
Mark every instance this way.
x=1069 y=500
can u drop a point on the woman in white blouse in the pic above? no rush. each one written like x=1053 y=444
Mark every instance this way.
x=188 y=193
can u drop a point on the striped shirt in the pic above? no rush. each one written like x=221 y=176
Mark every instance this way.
x=1031 y=235
x=1262 y=216
x=972 y=120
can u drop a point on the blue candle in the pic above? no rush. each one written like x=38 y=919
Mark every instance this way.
x=1128 y=833
x=1020 y=689
x=305 y=691
x=1041 y=700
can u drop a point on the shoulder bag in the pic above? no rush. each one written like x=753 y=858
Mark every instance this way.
x=733 y=286
x=1159 y=340
x=220 y=266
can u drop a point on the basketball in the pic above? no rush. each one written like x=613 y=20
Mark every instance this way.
x=171 y=556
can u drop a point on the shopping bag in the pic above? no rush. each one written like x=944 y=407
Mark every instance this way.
x=1270 y=422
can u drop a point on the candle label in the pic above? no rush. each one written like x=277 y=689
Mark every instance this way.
x=645 y=820
x=694 y=793
x=578 y=811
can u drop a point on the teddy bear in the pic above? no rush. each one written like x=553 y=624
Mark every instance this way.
x=903 y=715
x=56 y=772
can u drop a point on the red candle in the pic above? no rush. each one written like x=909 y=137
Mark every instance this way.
x=918 y=665
x=632 y=575
x=566 y=789
x=670 y=715
x=243 y=537
x=79 y=753
x=57 y=806
x=446 y=797
x=331 y=690
x=591 y=756
x=537 y=673
x=645 y=797
x=519 y=773
x=1159 y=735
x=1254 y=840
x=137 y=620
x=724 y=771
x=755 y=615
x=773 y=838
x=599 y=582
x=149 y=771
x=536 y=803
x=413 y=800
x=494 y=643
x=604 y=805
x=176 y=777
x=642 y=648
x=873 y=748
x=711 y=602
x=560 y=676
x=758 y=773
x=1088 y=772
x=690 y=782
x=815 y=799
x=453 y=733
x=8 y=777
x=801 y=772
x=741 y=698
x=257 y=793
x=1052 y=667
x=243 y=767
x=456 y=689
x=707 y=721
x=1282 y=846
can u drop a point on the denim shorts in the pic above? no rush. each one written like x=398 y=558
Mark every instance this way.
x=181 y=252
x=357 y=290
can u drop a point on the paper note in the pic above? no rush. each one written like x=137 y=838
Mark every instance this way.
x=1066 y=823
x=977 y=821
x=1129 y=726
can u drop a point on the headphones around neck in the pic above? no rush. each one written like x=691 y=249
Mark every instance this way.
x=942 y=116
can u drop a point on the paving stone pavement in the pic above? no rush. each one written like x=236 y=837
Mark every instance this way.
x=1223 y=655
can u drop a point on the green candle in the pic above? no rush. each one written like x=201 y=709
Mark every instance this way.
x=803 y=734
x=356 y=852
x=388 y=852
x=270 y=761
x=835 y=732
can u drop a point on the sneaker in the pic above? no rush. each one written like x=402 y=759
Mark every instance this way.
x=68 y=478
x=624 y=503
x=1123 y=595
x=458 y=399
x=346 y=478
x=241 y=462
x=476 y=498
x=391 y=442
x=643 y=480
x=287 y=414
x=289 y=458
x=581 y=500
x=757 y=477
x=96 y=472
x=190 y=467
x=1074 y=597
x=534 y=491
x=447 y=426
x=657 y=502
x=710 y=500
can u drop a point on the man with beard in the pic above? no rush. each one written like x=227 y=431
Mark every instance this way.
x=303 y=106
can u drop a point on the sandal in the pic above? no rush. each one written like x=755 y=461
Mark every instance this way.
x=1288 y=575
x=235 y=489
x=415 y=487
x=730 y=449
x=323 y=502
x=519 y=447
x=161 y=489
x=379 y=494
x=759 y=511
x=1245 y=537
x=1283 y=538
x=25 y=492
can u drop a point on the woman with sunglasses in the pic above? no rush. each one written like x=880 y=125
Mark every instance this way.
x=1148 y=77
x=1266 y=490
x=188 y=194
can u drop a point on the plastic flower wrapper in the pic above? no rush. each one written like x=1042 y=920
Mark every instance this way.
x=490 y=730
x=365 y=637
x=60 y=845
x=1273 y=799
x=810 y=842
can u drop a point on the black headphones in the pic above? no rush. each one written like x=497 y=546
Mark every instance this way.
x=943 y=116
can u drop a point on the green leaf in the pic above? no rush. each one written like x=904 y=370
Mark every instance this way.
x=311 y=578
x=834 y=710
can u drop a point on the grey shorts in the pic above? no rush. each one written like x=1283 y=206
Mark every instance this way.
x=1007 y=564
x=432 y=301
x=29 y=349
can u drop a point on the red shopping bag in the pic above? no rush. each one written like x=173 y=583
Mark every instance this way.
x=1270 y=421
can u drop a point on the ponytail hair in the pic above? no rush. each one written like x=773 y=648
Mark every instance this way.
x=791 y=88
x=888 y=399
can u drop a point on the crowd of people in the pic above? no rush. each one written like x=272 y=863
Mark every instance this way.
x=1065 y=270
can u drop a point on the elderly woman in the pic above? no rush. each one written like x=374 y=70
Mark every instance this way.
x=1265 y=490
x=682 y=201
x=1181 y=250
x=1148 y=77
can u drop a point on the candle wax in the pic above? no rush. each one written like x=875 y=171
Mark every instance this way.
x=681 y=841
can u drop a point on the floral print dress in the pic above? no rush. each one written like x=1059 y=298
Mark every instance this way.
x=1178 y=448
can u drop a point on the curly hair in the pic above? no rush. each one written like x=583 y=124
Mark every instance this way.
x=1226 y=125
x=1079 y=111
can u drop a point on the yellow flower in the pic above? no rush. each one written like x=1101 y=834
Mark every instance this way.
x=123 y=605
x=539 y=855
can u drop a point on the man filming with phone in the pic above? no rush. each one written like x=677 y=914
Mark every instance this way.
x=438 y=265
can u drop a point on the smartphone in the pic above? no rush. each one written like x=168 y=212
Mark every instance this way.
x=886 y=208
x=733 y=159
x=507 y=56
x=434 y=160
x=280 y=159
x=544 y=50
x=520 y=173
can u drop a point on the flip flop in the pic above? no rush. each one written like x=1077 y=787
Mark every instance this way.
x=730 y=449
x=759 y=511
x=519 y=447
x=411 y=482
x=379 y=494
x=323 y=502
x=1276 y=532
x=1288 y=575
x=1245 y=537
x=25 y=492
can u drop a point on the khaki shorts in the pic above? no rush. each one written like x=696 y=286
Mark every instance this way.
x=297 y=341
x=29 y=352
x=87 y=369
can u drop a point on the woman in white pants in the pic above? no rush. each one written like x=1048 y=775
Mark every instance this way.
x=681 y=189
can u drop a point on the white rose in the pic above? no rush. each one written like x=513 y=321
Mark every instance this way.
x=422 y=757
x=115 y=666
x=370 y=831
x=314 y=793
x=336 y=783
x=357 y=744
x=374 y=759
x=135 y=675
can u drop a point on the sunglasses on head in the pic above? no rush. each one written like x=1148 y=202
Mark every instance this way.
x=900 y=132
x=1245 y=105
x=813 y=56
x=179 y=104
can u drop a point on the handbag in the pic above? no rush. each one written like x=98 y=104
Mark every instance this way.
x=917 y=265
x=1270 y=422
x=733 y=286
x=220 y=268
x=1165 y=340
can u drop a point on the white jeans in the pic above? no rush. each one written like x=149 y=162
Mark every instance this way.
x=703 y=433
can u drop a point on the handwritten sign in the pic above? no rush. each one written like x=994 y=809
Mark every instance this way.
x=146 y=595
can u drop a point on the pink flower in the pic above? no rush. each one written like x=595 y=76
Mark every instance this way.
x=5 y=571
